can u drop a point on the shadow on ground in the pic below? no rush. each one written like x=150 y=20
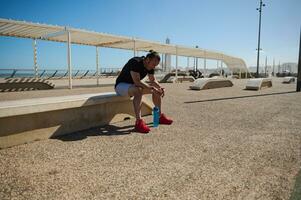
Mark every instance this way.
x=108 y=130
x=239 y=97
x=296 y=194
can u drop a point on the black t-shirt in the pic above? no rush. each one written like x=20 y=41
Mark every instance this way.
x=134 y=64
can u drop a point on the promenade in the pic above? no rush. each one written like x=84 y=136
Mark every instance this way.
x=226 y=143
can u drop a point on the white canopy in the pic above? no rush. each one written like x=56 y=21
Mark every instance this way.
x=24 y=29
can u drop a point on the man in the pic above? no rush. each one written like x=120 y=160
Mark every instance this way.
x=129 y=83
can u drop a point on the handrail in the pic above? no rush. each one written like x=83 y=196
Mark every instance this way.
x=54 y=73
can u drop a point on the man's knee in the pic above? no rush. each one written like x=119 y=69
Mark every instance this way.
x=157 y=95
x=136 y=91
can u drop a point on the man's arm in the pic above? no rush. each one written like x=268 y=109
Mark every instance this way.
x=138 y=82
x=154 y=81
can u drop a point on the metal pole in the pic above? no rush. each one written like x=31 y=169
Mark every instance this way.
x=205 y=70
x=265 y=68
x=35 y=58
x=194 y=65
x=299 y=67
x=134 y=47
x=273 y=66
x=97 y=66
x=187 y=62
x=222 y=64
x=258 y=48
x=176 y=63
x=163 y=62
x=69 y=59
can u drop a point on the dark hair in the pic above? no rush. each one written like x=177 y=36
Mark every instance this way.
x=153 y=54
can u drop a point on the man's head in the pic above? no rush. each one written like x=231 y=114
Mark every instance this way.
x=151 y=60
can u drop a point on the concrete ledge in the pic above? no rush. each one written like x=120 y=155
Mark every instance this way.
x=210 y=83
x=258 y=83
x=288 y=79
x=28 y=120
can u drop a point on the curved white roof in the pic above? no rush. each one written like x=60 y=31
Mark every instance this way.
x=24 y=29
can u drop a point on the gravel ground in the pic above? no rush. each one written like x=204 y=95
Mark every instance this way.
x=225 y=143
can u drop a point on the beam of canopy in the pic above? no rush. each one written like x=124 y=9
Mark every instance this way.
x=24 y=29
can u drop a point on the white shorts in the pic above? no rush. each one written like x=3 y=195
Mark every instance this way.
x=122 y=89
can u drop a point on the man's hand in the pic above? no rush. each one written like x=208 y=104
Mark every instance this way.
x=158 y=91
x=163 y=92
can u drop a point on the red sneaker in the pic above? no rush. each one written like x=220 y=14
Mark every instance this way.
x=165 y=120
x=141 y=127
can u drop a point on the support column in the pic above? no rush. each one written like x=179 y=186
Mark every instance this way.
x=97 y=67
x=266 y=65
x=299 y=68
x=188 y=63
x=222 y=60
x=205 y=70
x=69 y=59
x=273 y=66
x=35 y=58
x=176 y=63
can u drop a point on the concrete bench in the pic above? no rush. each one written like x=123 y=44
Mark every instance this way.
x=27 y=120
x=168 y=77
x=288 y=79
x=180 y=79
x=210 y=83
x=258 y=83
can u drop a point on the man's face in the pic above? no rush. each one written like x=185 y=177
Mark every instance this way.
x=151 y=63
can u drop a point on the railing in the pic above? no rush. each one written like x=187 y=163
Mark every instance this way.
x=56 y=73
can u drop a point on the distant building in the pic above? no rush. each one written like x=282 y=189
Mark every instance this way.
x=289 y=67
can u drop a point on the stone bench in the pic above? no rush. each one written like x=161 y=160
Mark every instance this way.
x=168 y=77
x=180 y=79
x=258 y=83
x=23 y=121
x=210 y=83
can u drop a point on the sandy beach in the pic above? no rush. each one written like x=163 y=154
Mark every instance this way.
x=226 y=143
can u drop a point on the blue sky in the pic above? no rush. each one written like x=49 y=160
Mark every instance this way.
x=230 y=26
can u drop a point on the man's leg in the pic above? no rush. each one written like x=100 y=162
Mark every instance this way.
x=137 y=101
x=137 y=92
x=157 y=101
x=156 y=98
